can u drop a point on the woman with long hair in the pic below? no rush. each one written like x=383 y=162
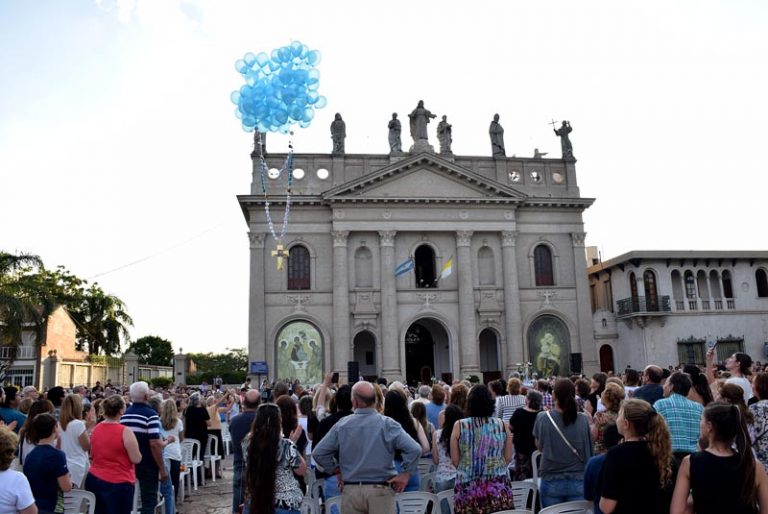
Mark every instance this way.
x=759 y=412
x=75 y=442
x=721 y=479
x=445 y=474
x=272 y=464
x=734 y=394
x=419 y=413
x=597 y=387
x=27 y=431
x=638 y=474
x=481 y=449
x=458 y=397
x=562 y=434
x=611 y=398
x=171 y=425
x=700 y=392
x=395 y=407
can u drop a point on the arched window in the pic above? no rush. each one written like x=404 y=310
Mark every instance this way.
x=690 y=285
x=701 y=284
x=363 y=267
x=424 y=267
x=714 y=285
x=651 y=294
x=677 y=285
x=632 y=285
x=727 y=285
x=542 y=265
x=298 y=268
x=486 y=266
x=762 y=283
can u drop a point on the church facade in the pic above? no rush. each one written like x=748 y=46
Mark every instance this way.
x=489 y=251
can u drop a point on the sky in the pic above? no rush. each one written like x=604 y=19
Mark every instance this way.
x=120 y=155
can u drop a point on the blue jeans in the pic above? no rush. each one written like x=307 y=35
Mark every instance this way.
x=237 y=486
x=331 y=490
x=558 y=491
x=110 y=498
x=166 y=489
x=148 y=479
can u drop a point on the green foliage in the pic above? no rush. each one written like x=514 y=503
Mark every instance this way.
x=153 y=350
x=97 y=359
x=160 y=382
x=232 y=367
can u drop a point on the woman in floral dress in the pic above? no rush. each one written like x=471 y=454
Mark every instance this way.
x=481 y=449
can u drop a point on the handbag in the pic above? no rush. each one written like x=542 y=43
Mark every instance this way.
x=562 y=436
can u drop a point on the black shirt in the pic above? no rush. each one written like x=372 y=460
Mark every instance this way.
x=323 y=427
x=522 y=422
x=716 y=484
x=649 y=392
x=239 y=426
x=630 y=477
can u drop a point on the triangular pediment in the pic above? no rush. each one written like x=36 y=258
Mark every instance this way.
x=423 y=177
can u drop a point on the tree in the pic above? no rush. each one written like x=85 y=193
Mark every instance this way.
x=101 y=322
x=152 y=350
x=231 y=367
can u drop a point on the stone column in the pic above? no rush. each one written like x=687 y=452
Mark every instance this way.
x=131 y=364
x=469 y=349
x=180 y=368
x=340 y=301
x=390 y=345
x=257 y=324
x=584 y=340
x=512 y=322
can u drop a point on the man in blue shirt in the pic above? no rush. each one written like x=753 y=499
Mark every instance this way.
x=362 y=448
x=682 y=415
x=145 y=424
x=9 y=411
x=651 y=390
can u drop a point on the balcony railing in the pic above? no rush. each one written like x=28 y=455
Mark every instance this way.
x=17 y=352
x=644 y=305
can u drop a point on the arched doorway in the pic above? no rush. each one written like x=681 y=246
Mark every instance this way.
x=489 y=355
x=427 y=352
x=365 y=353
x=606 y=359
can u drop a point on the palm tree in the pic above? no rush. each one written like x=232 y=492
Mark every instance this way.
x=102 y=321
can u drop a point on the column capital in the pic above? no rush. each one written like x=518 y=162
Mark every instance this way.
x=578 y=238
x=387 y=237
x=256 y=239
x=508 y=237
x=463 y=237
x=340 y=237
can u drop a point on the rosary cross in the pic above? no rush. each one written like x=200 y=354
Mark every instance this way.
x=280 y=254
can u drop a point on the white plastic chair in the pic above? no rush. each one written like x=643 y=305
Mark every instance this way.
x=212 y=456
x=426 y=466
x=426 y=482
x=310 y=506
x=316 y=489
x=415 y=502
x=524 y=495
x=226 y=438
x=577 y=507
x=535 y=465
x=444 y=498
x=159 y=506
x=189 y=449
x=79 y=501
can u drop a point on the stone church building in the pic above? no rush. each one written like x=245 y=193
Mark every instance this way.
x=498 y=278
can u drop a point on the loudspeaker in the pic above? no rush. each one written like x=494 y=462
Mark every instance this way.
x=576 y=363
x=353 y=371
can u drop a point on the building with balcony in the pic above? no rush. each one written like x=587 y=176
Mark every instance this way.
x=660 y=307
x=506 y=234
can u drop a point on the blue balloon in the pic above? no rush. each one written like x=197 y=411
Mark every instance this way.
x=321 y=102
x=235 y=97
x=249 y=59
x=313 y=57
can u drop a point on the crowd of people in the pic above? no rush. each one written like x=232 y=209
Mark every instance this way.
x=681 y=440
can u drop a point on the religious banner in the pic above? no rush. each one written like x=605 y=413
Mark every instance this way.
x=300 y=353
x=549 y=346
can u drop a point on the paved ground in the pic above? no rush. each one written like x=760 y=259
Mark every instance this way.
x=214 y=498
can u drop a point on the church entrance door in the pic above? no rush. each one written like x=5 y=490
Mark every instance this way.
x=426 y=351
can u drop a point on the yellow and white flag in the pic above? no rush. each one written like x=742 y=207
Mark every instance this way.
x=447 y=269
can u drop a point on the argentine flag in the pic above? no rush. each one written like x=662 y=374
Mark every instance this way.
x=404 y=267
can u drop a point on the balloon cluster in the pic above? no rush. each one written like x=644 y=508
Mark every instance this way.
x=280 y=89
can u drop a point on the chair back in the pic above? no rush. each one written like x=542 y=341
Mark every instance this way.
x=316 y=489
x=310 y=506
x=333 y=502
x=524 y=495
x=535 y=465
x=212 y=448
x=79 y=501
x=577 y=507
x=444 y=498
x=416 y=502
x=195 y=446
x=426 y=466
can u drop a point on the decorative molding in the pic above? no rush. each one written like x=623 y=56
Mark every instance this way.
x=578 y=238
x=387 y=237
x=257 y=239
x=386 y=215
x=463 y=237
x=547 y=294
x=463 y=215
x=508 y=237
x=340 y=237
x=298 y=301
x=509 y=215
x=427 y=298
x=338 y=214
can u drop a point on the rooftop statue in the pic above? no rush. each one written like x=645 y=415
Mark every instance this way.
x=496 y=131
x=338 y=134
x=395 y=143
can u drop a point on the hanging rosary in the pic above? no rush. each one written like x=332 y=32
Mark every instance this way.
x=279 y=253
